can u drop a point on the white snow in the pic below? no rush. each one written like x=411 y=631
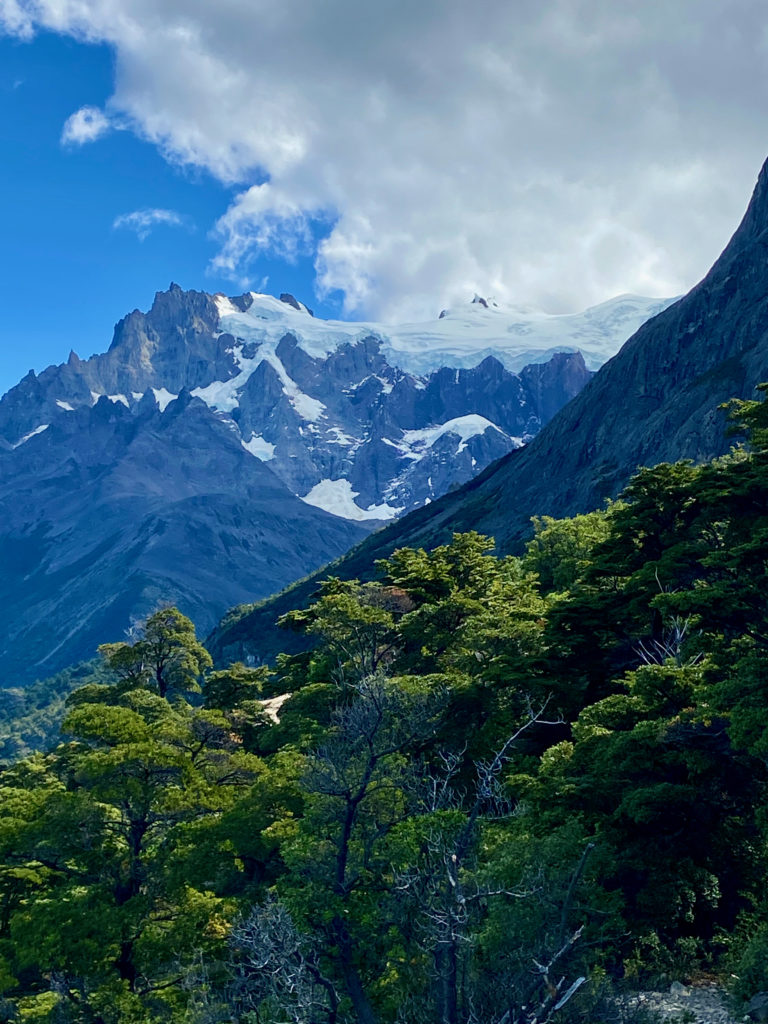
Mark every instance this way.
x=37 y=430
x=463 y=426
x=223 y=395
x=339 y=437
x=462 y=337
x=308 y=408
x=163 y=397
x=138 y=395
x=402 y=448
x=337 y=497
x=64 y=405
x=262 y=449
x=118 y=398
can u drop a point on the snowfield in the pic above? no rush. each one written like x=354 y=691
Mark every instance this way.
x=460 y=337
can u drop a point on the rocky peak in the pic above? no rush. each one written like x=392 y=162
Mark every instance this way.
x=290 y=300
x=319 y=404
x=754 y=223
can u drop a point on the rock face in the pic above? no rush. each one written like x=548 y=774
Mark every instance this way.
x=657 y=400
x=112 y=511
x=222 y=448
x=703 y=1004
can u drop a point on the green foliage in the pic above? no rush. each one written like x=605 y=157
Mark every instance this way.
x=750 y=417
x=234 y=686
x=561 y=550
x=749 y=964
x=166 y=654
x=30 y=718
x=488 y=779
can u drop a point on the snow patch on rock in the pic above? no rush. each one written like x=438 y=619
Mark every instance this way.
x=338 y=498
x=32 y=433
x=464 y=427
x=262 y=449
x=163 y=397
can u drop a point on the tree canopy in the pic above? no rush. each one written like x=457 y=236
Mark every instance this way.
x=493 y=786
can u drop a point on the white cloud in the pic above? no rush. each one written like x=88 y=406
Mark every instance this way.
x=143 y=221
x=14 y=19
x=86 y=125
x=263 y=220
x=551 y=153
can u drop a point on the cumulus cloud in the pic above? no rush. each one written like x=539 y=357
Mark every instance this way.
x=551 y=153
x=86 y=125
x=143 y=221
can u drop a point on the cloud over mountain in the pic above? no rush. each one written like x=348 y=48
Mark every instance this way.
x=558 y=153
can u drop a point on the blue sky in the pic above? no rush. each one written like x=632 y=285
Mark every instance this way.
x=66 y=274
x=379 y=161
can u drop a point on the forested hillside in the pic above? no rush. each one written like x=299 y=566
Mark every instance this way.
x=494 y=788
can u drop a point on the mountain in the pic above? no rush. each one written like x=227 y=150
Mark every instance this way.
x=656 y=400
x=224 y=447
x=363 y=420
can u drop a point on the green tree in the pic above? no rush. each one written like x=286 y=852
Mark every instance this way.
x=561 y=550
x=166 y=652
x=118 y=851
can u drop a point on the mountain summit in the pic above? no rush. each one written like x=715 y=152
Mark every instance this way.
x=223 y=447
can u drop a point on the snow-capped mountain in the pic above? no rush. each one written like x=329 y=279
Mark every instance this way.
x=364 y=420
x=222 y=448
x=663 y=398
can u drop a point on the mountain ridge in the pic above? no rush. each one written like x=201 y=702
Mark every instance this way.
x=334 y=403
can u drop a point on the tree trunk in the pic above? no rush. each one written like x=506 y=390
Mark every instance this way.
x=352 y=981
x=125 y=965
x=446 y=962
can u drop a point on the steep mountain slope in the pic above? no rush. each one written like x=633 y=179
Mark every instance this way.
x=110 y=512
x=656 y=400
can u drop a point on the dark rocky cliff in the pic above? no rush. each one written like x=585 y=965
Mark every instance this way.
x=656 y=400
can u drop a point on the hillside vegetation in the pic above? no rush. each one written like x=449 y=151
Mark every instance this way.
x=493 y=788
